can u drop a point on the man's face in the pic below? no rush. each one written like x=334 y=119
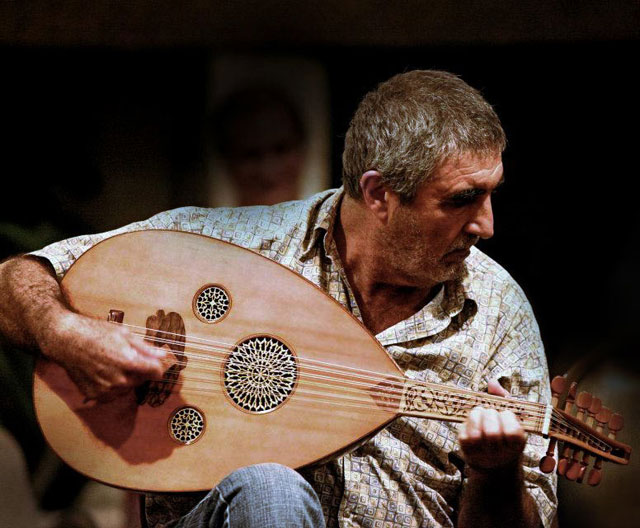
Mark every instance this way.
x=428 y=240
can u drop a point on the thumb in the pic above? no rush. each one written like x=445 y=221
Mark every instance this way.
x=496 y=389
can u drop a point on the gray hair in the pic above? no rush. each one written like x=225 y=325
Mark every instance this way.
x=411 y=125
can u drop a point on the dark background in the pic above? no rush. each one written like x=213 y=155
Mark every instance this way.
x=90 y=96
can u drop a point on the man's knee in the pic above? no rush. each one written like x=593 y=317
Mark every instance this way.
x=263 y=480
x=270 y=495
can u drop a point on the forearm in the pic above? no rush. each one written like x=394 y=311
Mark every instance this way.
x=497 y=498
x=31 y=299
x=102 y=359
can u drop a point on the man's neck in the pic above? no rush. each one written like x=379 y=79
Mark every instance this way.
x=383 y=299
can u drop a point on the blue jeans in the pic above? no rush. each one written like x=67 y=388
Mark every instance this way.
x=261 y=496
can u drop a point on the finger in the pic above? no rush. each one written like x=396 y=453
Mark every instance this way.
x=496 y=389
x=474 y=423
x=136 y=369
x=112 y=394
x=147 y=368
x=491 y=425
x=492 y=436
x=155 y=354
x=510 y=423
x=470 y=437
x=468 y=442
x=513 y=432
x=148 y=349
x=462 y=432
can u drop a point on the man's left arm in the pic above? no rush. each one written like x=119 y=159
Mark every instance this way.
x=493 y=443
x=503 y=485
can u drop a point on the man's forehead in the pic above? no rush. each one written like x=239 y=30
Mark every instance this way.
x=470 y=169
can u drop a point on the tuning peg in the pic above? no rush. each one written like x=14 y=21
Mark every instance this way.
x=563 y=462
x=571 y=397
x=583 y=401
x=602 y=418
x=547 y=462
x=615 y=424
x=558 y=385
x=574 y=466
x=594 y=409
x=595 y=475
x=583 y=466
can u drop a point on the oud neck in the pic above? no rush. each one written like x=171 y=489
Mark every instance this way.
x=443 y=402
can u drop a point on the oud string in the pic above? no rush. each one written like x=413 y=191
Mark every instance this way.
x=333 y=368
x=536 y=408
x=384 y=391
x=530 y=424
x=338 y=400
x=387 y=394
x=213 y=345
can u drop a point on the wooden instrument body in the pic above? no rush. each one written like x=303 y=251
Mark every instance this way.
x=127 y=444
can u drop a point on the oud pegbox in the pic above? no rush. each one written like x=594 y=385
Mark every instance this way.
x=585 y=429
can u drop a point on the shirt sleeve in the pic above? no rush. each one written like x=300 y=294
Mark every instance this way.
x=64 y=253
x=519 y=363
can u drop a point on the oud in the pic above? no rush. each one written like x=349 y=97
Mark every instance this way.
x=266 y=368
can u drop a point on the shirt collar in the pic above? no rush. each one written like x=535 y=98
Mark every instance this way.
x=325 y=221
x=454 y=298
x=434 y=317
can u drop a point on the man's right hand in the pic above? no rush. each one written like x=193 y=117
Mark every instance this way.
x=103 y=359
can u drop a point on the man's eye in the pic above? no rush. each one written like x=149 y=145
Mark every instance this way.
x=463 y=198
x=467 y=197
x=459 y=202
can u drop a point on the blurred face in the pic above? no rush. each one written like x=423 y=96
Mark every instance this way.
x=266 y=157
x=429 y=239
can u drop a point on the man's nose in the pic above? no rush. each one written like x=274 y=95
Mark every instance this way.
x=481 y=224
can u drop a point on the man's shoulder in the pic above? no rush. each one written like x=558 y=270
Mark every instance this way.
x=248 y=226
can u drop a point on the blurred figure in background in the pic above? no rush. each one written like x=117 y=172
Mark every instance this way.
x=259 y=136
x=266 y=133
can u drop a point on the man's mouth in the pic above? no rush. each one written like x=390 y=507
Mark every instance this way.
x=459 y=252
x=463 y=250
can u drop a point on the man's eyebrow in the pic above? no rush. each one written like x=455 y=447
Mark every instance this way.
x=473 y=192
x=478 y=190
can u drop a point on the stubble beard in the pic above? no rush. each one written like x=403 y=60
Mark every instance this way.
x=430 y=269
x=416 y=264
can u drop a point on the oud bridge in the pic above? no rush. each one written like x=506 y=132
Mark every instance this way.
x=162 y=330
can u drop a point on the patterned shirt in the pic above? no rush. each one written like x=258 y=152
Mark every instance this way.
x=410 y=474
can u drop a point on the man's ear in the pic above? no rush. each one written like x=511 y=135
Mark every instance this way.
x=375 y=194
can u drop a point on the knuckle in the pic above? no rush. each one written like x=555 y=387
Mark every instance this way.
x=508 y=416
x=121 y=381
x=492 y=414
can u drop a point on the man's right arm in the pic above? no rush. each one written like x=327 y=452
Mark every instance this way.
x=103 y=359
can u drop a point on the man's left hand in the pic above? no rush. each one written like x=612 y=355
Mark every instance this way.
x=492 y=440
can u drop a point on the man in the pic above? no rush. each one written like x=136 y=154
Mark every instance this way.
x=422 y=158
